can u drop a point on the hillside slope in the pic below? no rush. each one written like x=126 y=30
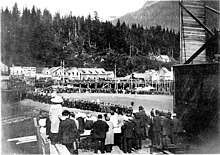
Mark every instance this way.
x=166 y=14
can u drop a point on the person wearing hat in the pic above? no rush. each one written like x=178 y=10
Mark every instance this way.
x=167 y=134
x=68 y=133
x=137 y=131
x=127 y=131
x=156 y=129
x=144 y=123
x=55 y=113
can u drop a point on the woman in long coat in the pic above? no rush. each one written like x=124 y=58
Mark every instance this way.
x=109 y=140
x=55 y=113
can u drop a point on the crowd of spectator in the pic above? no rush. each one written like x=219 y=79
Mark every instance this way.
x=63 y=126
x=93 y=105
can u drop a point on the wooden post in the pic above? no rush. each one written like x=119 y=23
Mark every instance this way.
x=39 y=140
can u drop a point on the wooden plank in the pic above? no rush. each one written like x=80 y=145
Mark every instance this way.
x=192 y=42
x=53 y=150
x=23 y=138
x=26 y=141
x=61 y=149
x=199 y=29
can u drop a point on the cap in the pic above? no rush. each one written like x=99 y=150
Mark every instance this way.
x=141 y=108
x=57 y=99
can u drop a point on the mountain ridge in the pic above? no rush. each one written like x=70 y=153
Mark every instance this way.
x=165 y=14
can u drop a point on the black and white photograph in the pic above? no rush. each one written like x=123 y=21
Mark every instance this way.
x=82 y=77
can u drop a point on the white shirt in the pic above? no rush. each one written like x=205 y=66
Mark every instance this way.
x=114 y=119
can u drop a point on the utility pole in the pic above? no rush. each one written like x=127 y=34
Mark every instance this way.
x=63 y=73
x=131 y=79
x=115 y=77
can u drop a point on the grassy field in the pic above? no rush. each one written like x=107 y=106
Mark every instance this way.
x=160 y=102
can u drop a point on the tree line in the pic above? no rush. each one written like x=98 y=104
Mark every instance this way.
x=37 y=38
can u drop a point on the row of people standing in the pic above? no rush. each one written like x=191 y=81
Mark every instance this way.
x=93 y=105
x=135 y=127
x=102 y=131
x=163 y=129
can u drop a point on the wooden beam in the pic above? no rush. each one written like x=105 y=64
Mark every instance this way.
x=205 y=27
x=213 y=10
x=200 y=50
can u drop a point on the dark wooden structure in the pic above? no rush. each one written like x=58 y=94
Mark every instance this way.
x=197 y=96
x=196 y=82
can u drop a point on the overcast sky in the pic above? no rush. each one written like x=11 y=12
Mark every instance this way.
x=105 y=8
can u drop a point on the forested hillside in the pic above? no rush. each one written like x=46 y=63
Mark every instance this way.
x=37 y=38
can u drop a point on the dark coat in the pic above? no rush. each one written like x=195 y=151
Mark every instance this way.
x=157 y=123
x=177 y=125
x=81 y=125
x=143 y=118
x=137 y=125
x=128 y=129
x=99 y=129
x=167 y=126
x=68 y=132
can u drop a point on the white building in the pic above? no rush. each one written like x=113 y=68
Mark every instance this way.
x=163 y=58
x=41 y=72
x=73 y=73
x=92 y=73
x=29 y=71
x=4 y=69
x=165 y=74
x=16 y=70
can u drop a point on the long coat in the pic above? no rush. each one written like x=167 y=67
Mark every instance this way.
x=99 y=129
x=143 y=118
x=68 y=132
x=157 y=123
x=55 y=111
x=128 y=129
x=167 y=126
x=177 y=125
x=110 y=134
x=137 y=126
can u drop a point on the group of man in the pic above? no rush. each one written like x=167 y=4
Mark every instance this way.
x=93 y=105
x=164 y=129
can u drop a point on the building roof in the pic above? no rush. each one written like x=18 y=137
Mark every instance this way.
x=163 y=57
x=109 y=72
x=53 y=69
x=92 y=70
x=163 y=70
x=41 y=69
x=71 y=69
x=142 y=75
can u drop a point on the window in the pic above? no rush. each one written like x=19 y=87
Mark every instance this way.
x=73 y=73
x=77 y=74
x=69 y=74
